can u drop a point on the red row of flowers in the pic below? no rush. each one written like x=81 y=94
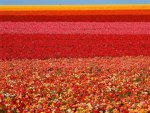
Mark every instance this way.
x=72 y=45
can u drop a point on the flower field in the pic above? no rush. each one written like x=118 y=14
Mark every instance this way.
x=80 y=85
x=75 y=58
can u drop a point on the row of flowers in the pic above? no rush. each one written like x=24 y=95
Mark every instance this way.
x=80 y=85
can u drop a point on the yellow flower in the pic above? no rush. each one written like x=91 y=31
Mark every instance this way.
x=115 y=111
x=80 y=110
x=62 y=107
x=8 y=99
x=142 y=111
x=139 y=105
x=89 y=106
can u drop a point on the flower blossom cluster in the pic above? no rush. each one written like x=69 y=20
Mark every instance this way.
x=75 y=85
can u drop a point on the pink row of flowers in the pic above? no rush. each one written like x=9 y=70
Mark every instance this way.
x=75 y=28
